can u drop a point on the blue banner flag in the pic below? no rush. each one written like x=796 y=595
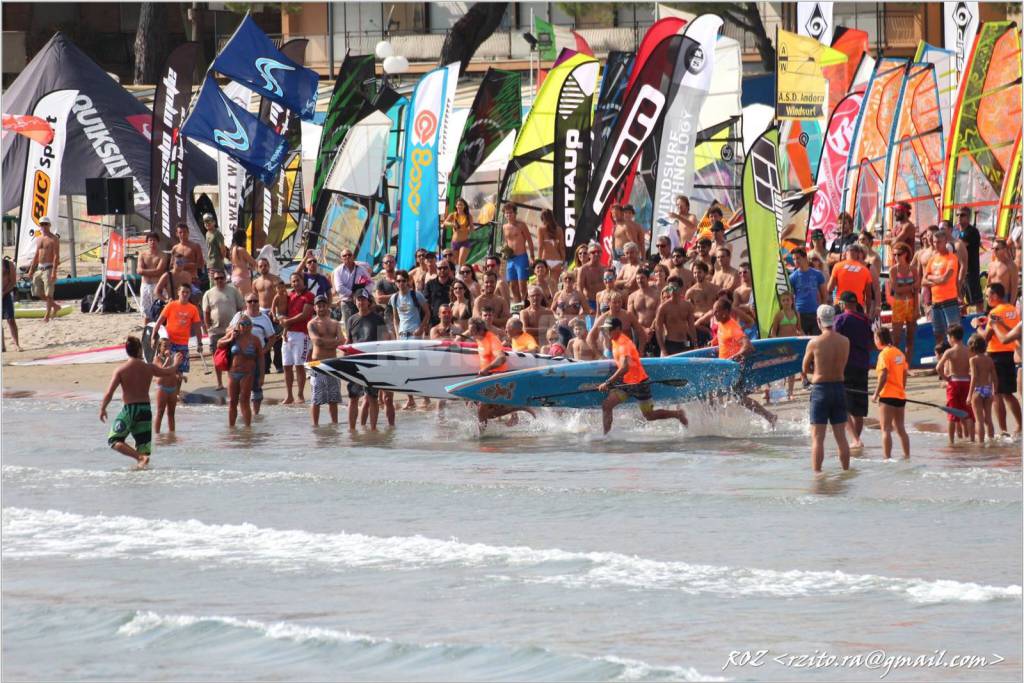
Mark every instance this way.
x=217 y=120
x=251 y=58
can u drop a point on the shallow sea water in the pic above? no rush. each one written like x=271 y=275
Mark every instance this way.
x=539 y=552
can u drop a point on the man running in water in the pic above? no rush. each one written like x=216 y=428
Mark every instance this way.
x=134 y=377
x=733 y=344
x=492 y=360
x=629 y=380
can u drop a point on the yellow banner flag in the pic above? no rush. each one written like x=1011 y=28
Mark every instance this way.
x=802 y=90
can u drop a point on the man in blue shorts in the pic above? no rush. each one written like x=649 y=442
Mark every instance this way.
x=519 y=244
x=824 y=363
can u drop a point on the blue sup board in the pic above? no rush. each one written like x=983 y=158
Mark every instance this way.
x=772 y=360
x=574 y=385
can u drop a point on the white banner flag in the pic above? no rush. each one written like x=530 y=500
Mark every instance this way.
x=960 y=23
x=42 y=172
x=814 y=19
x=230 y=174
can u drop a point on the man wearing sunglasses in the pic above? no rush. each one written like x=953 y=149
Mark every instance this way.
x=439 y=290
x=220 y=304
x=590 y=280
x=262 y=329
x=349 y=277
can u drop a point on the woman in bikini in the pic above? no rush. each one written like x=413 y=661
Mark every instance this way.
x=468 y=277
x=242 y=263
x=462 y=303
x=166 y=387
x=246 y=358
x=552 y=243
x=901 y=289
x=568 y=303
x=983 y=377
x=461 y=223
x=608 y=278
x=786 y=324
x=542 y=277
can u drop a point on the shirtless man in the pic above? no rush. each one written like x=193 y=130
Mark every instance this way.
x=674 y=323
x=686 y=222
x=631 y=263
x=643 y=303
x=489 y=299
x=823 y=365
x=902 y=229
x=265 y=285
x=325 y=334
x=152 y=266
x=629 y=231
x=590 y=276
x=1002 y=269
x=616 y=309
x=726 y=277
x=679 y=268
x=446 y=329
x=702 y=294
x=663 y=255
x=702 y=253
x=536 y=317
x=172 y=280
x=954 y=368
x=492 y=264
x=190 y=254
x=10 y=282
x=43 y=271
x=872 y=259
x=519 y=240
x=134 y=377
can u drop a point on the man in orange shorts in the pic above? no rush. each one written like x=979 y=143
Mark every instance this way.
x=629 y=380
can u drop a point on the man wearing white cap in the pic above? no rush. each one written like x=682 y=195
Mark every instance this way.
x=825 y=363
x=43 y=271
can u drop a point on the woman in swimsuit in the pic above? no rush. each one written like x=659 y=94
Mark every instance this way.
x=582 y=258
x=786 y=324
x=901 y=289
x=242 y=263
x=543 y=278
x=246 y=357
x=609 y=290
x=468 y=277
x=462 y=304
x=568 y=303
x=983 y=377
x=552 y=243
x=461 y=223
x=166 y=387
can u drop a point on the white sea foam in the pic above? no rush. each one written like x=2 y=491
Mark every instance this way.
x=610 y=666
x=72 y=476
x=36 y=533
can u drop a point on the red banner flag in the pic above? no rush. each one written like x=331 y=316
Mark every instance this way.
x=31 y=127
x=115 y=256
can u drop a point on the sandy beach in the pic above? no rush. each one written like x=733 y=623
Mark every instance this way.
x=80 y=331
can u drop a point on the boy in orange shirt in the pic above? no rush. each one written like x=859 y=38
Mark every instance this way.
x=179 y=316
x=891 y=392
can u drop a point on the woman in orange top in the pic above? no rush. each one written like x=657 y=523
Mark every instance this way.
x=629 y=380
x=891 y=392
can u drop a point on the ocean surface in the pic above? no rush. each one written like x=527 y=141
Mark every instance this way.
x=539 y=552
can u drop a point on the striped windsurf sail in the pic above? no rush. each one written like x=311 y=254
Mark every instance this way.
x=917 y=149
x=1009 y=221
x=985 y=126
x=831 y=175
x=614 y=79
x=865 y=171
x=945 y=71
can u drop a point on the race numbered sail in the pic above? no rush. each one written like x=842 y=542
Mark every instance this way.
x=763 y=214
x=985 y=126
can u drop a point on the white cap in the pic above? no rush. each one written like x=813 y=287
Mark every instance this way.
x=826 y=315
x=46 y=220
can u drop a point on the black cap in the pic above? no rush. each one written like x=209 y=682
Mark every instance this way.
x=848 y=298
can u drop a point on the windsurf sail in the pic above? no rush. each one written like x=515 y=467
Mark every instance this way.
x=831 y=175
x=353 y=89
x=1009 y=221
x=863 y=196
x=614 y=79
x=917 y=149
x=678 y=135
x=763 y=214
x=985 y=126
x=560 y=114
x=841 y=77
x=427 y=139
x=943 y=61
x=802 y=89
x=642 y=112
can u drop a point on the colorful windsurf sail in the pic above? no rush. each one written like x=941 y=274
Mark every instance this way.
x=945 y=70
x=614 y=79
x=1009 y=221
x=863 y=196
x=831 y=175
x=985 y=126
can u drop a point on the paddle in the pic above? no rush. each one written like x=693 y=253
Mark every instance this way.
x=584 y=388
x=955 y=412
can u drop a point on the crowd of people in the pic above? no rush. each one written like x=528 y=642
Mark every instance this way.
x=687 y=294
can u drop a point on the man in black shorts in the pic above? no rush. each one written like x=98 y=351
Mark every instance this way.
x=366 y=325
x=855 y=326
x=1004 y=317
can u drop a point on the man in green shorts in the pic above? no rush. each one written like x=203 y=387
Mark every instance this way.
x=134 y=377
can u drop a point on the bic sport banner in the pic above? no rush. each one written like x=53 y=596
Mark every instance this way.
x=42 y=171
x=424 y=130
x=222 y=123
x=250 y=57
x=168 y=194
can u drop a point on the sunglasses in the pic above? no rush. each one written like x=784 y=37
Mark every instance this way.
x=400 y=280
x=342 y=256
x=443 y=268
x=219 y=279
x=252 y=301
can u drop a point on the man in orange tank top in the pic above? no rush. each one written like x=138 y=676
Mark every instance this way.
x=733 y=344
x=629 y=380
x=942 y=276
x=1003 y=317
x=492 y=360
